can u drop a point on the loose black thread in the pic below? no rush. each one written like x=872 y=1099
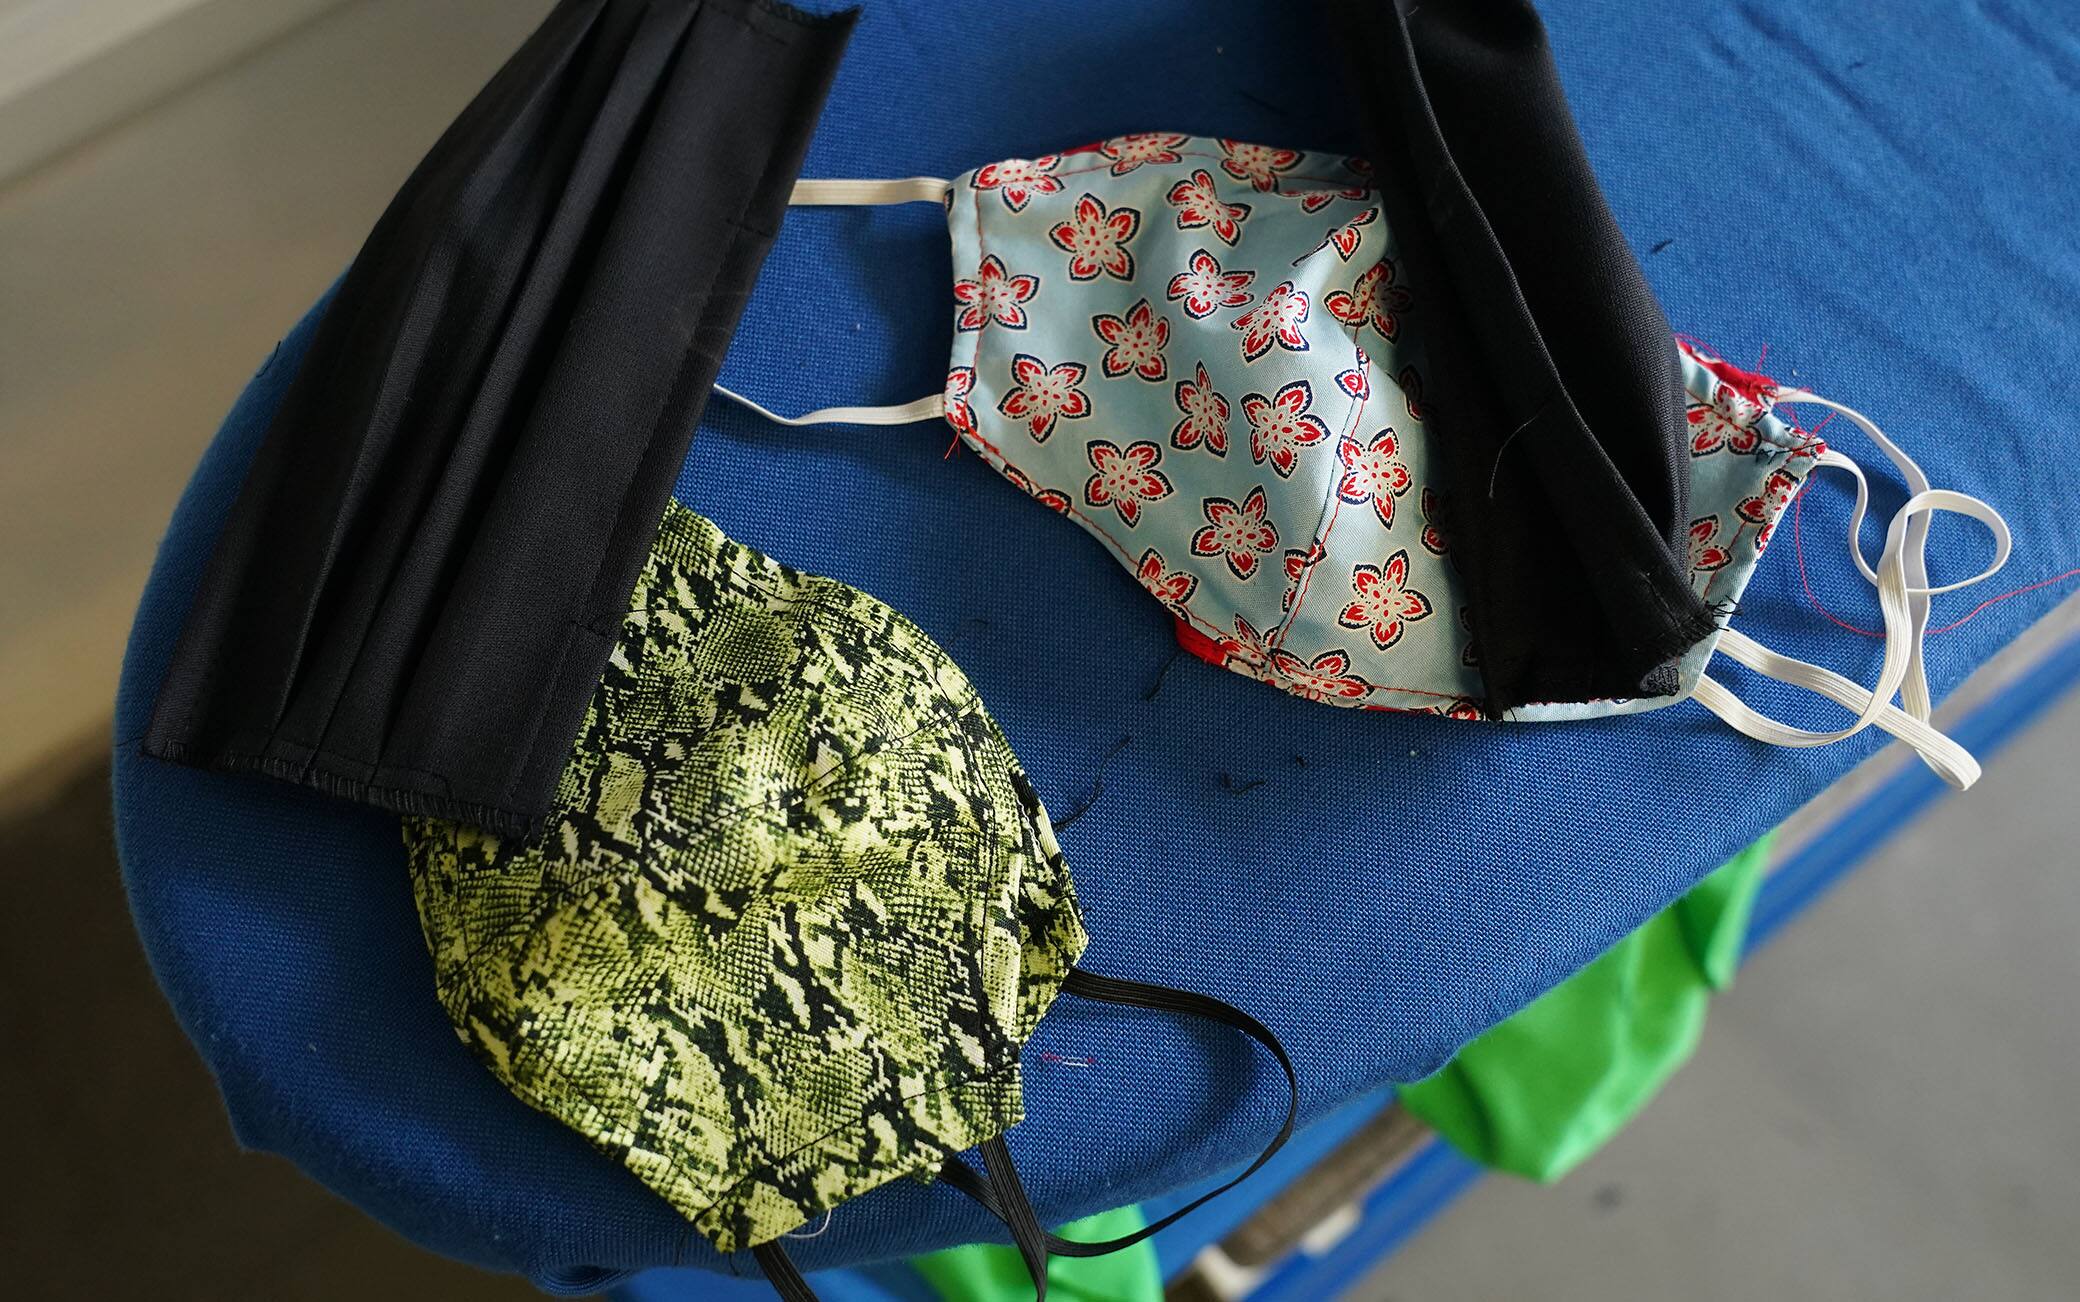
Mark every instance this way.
x=1097 y=785
x=973 y=624
x=1262 y=103
x=1234 y=788
x=1162 y=674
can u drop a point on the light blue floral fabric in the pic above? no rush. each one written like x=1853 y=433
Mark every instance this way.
x=1208 y=355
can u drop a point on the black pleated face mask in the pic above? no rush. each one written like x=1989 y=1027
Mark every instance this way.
x=428 y=563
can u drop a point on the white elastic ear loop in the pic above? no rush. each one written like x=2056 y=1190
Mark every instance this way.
x=1903 y=592
x=1951 y=762
x=929 y=407
x=906 y=189
x=1918 y=591
x=850 y=193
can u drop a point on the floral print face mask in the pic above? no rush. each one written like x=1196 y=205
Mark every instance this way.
x=1209 y=355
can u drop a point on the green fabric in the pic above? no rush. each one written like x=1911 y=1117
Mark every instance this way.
x=1543 y=1090
x=795 y=912
x=987 y=1272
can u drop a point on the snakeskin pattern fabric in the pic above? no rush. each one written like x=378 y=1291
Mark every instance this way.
x=795 y=912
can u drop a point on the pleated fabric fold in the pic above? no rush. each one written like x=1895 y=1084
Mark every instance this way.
x=1554 y=385
x=417 y=589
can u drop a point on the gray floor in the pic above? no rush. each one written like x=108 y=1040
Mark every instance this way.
x=1881 y=1108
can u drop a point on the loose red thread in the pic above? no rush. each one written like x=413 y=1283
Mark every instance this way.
x=1068 y=1062
x=1799 y=547
x=1805 y=580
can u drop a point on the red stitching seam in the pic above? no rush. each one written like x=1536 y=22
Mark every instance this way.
x=1347 y=183
x=1801 y=442
x=1332 y=501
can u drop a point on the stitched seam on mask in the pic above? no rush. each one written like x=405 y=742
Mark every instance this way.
x=1340 y=183
x=973 y=437
x=1332 y=501
x=1747 y=524
x=1799 y=441
x=1713 y=581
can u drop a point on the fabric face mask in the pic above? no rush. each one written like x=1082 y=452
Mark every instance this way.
x=1209 y=355
x=796 y=911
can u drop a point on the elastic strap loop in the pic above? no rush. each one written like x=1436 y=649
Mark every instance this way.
x=857 y=193
x=781 y=1272
x=852 y=194
x=1901 y=580
x=1003 y=1195
x=930 y=407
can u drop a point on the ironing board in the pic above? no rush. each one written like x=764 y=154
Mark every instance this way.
x=1884 y=204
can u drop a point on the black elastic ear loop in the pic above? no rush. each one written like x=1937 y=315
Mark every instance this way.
x=780 y=1270
x=1003 y=1195
x=1017 y=1211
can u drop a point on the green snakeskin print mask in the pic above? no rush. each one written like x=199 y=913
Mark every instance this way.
x=796 y=909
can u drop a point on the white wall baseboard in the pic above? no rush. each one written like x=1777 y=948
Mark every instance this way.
x=70 y=69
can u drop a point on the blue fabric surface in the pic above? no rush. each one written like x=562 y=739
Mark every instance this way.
x=1886 y=205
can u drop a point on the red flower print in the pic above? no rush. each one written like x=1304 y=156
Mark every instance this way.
x=1375 y=299
x=1316 y=200
x=1171 y=587
x=1275 y=320
x=1205 y=415
x=1384 y=604
x=1019 y=179
x=1248 y=648
x=1411 y=382
x=1095 y=239
x=1131 y=151
x=1373 y=472
x=1357 y=382
x=1041 y=393
x=1238 y=534
x=1469 y=655
x=1279 y=426
x=1199 y=204
x=1327 y=677
x=960 y=382
x=1298 y=563
x=1137 y=340
x=1257 y=164
x=1763 y=509
x=1433 y=527
x=995 y=296
x=1204 y=287
x=1727 y=421
x=1126 y=478
x=1706 y=554
x=1054 y=499
x=1344 y=239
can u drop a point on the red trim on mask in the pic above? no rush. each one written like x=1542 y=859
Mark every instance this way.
x=1200 y=645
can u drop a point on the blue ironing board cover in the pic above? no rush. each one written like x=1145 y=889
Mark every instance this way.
x=1886 y=204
